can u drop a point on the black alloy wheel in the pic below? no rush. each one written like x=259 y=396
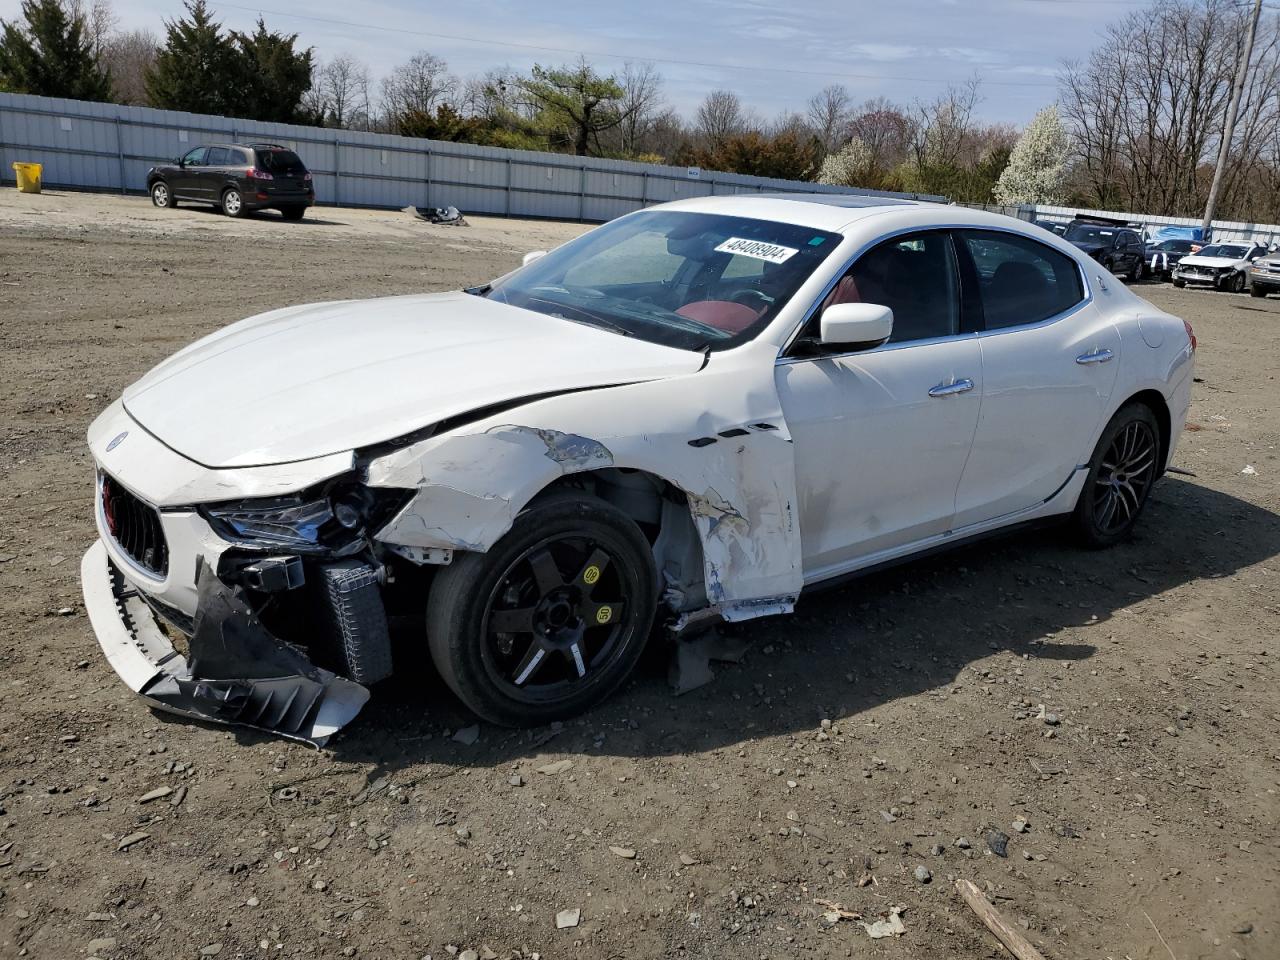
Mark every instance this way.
x=551 y=619
x=1124 y=467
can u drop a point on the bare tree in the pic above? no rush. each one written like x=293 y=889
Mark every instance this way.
x=127 y=57
x=885 y=131
x=829 y=114
x=340 y=93
x=943 y=125
x=719 y=117
x=418 y=87
x=99 y=19
x=1147 y=109
x=642 y=104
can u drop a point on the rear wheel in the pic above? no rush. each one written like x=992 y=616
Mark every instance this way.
x=1257 y=291
x=1179 y=283
x=549 y=621
x=292 y=213
x=1135 y=272
x=160 y=195
x=232 y=204
x=1124 y=466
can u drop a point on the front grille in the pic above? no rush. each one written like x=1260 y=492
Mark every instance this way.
x=134 y=526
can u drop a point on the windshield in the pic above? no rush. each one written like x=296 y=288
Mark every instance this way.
x=696 y=281
x=1174 y=246
x=1223 y=250
x=1089 y=233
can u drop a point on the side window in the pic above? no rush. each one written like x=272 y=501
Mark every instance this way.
x=239 y=157
x=1021 y=280
x=915 y=277
x=217 y=157
x=195 y=158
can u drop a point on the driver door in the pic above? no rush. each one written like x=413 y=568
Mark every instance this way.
x=881 y=436
x=185 y=179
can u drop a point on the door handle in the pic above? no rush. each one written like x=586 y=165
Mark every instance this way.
x=948 y=389
x=1099 y=356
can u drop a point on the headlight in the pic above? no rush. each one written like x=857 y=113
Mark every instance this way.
x=318 y=521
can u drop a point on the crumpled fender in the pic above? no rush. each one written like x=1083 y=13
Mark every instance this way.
x=718 y=435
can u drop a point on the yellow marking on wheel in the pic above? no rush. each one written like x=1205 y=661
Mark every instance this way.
x=591 y=574
x=604 y=614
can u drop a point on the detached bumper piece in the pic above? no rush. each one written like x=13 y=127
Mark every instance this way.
x=238 y=672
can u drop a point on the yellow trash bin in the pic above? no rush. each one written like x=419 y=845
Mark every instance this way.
x=28 y=176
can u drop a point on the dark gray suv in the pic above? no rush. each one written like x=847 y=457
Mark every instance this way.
x=235 y=178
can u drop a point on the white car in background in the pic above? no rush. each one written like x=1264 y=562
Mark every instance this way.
x=1224 y=266
x=696 y=411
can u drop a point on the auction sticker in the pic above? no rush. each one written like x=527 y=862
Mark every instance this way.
x=757 y=250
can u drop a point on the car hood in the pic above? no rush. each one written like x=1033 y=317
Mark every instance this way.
x=1088 y=246
x=307 y=381
x=1192 y=260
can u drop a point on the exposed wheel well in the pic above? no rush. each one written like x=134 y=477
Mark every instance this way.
x=1155 y=401
x=661 y=510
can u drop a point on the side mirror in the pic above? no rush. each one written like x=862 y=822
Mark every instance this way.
x=856 y=326
x=532 y=256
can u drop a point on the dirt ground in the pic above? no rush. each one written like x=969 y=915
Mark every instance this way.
x=1150 y=805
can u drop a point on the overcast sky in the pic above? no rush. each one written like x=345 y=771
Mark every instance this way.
x=773 y=53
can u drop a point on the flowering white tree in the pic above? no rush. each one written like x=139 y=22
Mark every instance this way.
x=1038 y=164
x=849 y=167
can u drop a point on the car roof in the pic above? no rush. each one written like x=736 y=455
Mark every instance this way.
x=822 y=211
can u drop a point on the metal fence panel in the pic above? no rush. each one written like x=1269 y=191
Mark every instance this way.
x=102 y=146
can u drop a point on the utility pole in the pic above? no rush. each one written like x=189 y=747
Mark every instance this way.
x=1233 y=107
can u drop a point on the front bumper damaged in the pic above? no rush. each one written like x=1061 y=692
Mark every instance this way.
x=237 y=672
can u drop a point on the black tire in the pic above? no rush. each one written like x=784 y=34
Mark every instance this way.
x=1257 y=291
x=1122 y=470
x=1235 y=282
x=231 y=203
x=1179 y=283
x=1135 y=272
x=529 y=576
x=162 y=196
x=292 y=213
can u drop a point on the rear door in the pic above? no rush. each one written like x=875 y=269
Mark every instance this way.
x=213 y=175
x=1049 y=362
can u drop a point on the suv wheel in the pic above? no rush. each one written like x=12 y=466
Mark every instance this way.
x=1236 y=282
x=1257 y=291
x=232 y=204
x=160 y=195
x=293 y=213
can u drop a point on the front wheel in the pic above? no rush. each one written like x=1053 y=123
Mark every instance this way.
x=551 y=619
x=1235 y=283
x=1179 y=283
x=160 y=195
x=1257 y=291
x=1123 y=468
x=232 y=203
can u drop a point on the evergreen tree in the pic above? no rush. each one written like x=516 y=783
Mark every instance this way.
x=276 y=77
x=199 y=69
x=52 y=55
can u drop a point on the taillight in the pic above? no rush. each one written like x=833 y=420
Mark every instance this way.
x=253 y=173
x=1191 y=335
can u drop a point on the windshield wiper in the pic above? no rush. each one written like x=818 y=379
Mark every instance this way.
x=479 y=291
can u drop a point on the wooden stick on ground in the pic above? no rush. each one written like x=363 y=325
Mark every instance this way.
x=1011 y=938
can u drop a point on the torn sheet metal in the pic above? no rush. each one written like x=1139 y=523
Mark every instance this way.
x=718 y=435
x=238 y=672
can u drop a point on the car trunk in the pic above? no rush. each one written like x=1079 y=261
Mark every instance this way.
x=288 y=173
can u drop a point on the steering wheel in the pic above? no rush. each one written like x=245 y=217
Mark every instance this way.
x=750 y=297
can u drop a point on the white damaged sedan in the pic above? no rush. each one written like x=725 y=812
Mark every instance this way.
x=696 y=411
